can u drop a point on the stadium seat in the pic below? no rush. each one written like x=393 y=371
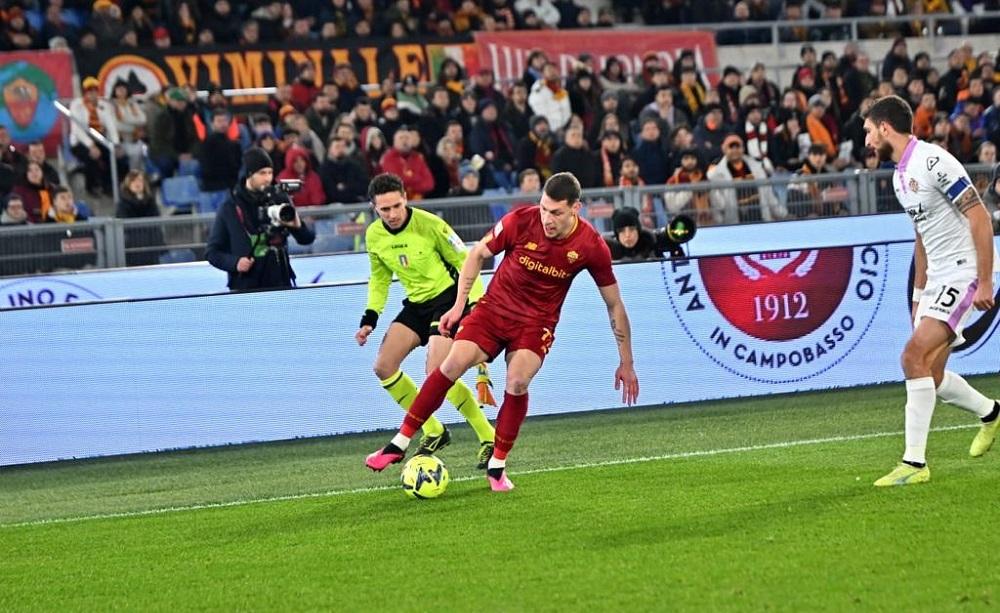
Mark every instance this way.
x=83 y=209
x=181 y=193
x=209 y=202
x=190 y=167
x=178 y=256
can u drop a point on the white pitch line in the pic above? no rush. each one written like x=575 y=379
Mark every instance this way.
x=380 y=488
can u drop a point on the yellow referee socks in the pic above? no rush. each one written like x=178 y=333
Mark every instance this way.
x=463 y=399
x=403 y=390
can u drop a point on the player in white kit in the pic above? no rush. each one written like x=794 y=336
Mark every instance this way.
x=954 y=262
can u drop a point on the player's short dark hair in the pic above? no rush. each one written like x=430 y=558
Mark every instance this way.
x=385 y=183
x=894 y=111
x=563 y=186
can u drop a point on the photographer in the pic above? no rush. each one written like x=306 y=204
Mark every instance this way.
x=250 y=237
x=631 y=242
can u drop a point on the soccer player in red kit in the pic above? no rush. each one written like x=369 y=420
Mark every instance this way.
x=545 y=247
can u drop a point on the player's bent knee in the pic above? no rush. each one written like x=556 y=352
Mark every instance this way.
x=518 y=385
x=384 y=370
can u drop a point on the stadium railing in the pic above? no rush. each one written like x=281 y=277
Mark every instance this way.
x=112 y=243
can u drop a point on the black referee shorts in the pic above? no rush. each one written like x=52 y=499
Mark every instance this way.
x=423 y=317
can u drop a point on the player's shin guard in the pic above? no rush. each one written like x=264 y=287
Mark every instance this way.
x=463 y=399
x=403 y=390
x=957 y=391
x=428 y=399
x=920 y=398
x=509 y=420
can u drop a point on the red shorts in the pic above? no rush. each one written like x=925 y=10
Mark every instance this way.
x=494 y=333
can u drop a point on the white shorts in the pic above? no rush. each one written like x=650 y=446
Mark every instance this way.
x=949 y=299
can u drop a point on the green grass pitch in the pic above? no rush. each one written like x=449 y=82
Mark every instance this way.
x=757 y=504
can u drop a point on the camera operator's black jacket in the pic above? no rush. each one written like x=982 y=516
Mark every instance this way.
x=235 y=223
x=651 y=245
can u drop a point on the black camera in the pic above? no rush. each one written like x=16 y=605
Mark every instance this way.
x=279 y=213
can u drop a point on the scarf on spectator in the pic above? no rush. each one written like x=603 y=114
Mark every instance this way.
x=757 y=140
x=543 y=155
x=45 y=203
x=93 y=120
x=505 y=149
x=608 y=168
x=558 y=92
x=694 y=95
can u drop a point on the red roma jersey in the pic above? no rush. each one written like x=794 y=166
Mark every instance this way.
x=536 y=272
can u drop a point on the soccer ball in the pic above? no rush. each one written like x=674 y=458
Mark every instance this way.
x=424 y=476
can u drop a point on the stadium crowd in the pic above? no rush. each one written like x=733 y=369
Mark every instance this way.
x=464 y=134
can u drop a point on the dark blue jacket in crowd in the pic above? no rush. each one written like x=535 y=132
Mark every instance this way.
x=652 y=160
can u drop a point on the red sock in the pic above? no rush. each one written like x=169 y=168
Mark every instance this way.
x=509 y=420
x=428 y=399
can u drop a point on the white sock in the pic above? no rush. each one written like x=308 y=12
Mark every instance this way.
x=920 y=398
x=495 y=463
x=401 y=441
x=957 y=391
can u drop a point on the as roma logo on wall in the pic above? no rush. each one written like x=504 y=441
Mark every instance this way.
x=780 y=316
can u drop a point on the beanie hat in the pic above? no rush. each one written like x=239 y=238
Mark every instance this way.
x=624 y=218
x=256 y=159
x=467 y=169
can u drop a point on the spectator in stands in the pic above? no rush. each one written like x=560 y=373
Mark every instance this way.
x=64 y=209
x=550 y=99
x=859 y=82
x=805 y=198
x=767 y=92
x=304 y=89
x=373 y=146
x=960 y=143
x=667 y=115
x=953 y=81
x=584 y=97
x=732 y=205
x=896 y=58
x=469 y=185
x=343 y=178
x=55 y=25
x=710 y=132
x=13 y=213
x=466 y=114
x=757 y=134
x=389 y=122
x=575 y=157
x=224 y=25
x=36 y=153
x=434 y=119
x=516 y=112
x=136 y=200
x=298 y=167
x=36 y=192
x=493 y=140
x=986 y=153
x=321 y=117
x=631 y=242
x=220 y=157
x=546 y=11
x=243 y=243
x=614 y=80
x=650 y=154
x=130 y=119
x=444 y=168
x=8 y=152
x=794 y=33
x=609 y=159
x=171 y=132
x=363 y=114
x=96 y=113
x=690 y=201
x=107 y=24
x=692 y=92
x=411 y=104
x=535 y=150
x=409 y=165
x=819 y=134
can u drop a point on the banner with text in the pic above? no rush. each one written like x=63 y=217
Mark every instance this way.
x=507 y=52
x=30 y=81
x=239 y=67
x=162 y=374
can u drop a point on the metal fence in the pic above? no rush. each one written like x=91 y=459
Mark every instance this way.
x=111 y=243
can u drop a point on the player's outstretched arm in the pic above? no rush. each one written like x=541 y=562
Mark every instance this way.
x=625 y=377
x=466 y=278
x=971 y=205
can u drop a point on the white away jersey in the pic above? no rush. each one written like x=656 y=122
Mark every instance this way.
x=928 y=180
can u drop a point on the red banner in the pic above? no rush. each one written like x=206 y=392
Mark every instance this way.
x=507 y=52
x=30 y=82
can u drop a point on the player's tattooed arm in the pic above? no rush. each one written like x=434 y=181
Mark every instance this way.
x=968 y=200
x=620 y=336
